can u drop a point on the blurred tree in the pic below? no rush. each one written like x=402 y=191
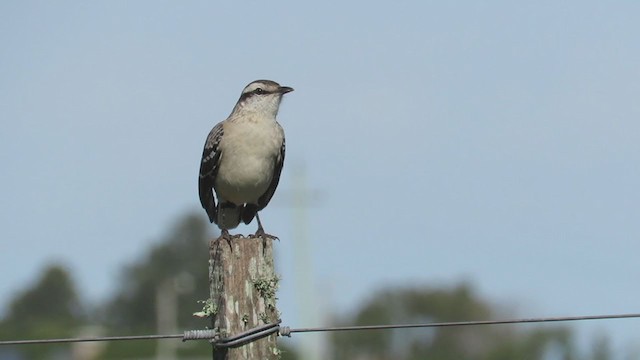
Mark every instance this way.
x=287 y=352
x=159 y=292
x=601 y=348
x=417 y=305
x=49 y=309
x=164 y=285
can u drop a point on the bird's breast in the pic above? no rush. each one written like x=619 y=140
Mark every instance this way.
x=248 y=159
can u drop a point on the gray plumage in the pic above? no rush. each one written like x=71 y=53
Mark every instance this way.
x=243 y=157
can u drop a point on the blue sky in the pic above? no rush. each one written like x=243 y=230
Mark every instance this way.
x=496 y=143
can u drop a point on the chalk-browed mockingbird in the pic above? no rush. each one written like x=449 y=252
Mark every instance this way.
x=242 y=158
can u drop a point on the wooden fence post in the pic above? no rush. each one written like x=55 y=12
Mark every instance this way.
x=243 y=284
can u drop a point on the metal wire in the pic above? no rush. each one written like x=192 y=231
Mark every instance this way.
x=262 y=331
x=102 y=338
x=287 y=332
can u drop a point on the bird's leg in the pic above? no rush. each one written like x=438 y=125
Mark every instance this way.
x=224 y=235
x=260 y=232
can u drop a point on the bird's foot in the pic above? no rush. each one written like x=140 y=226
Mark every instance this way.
x=224 y=235
x=260 y=233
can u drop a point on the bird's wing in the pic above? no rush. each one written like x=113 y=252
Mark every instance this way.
x=209 y=170
x=263 y=201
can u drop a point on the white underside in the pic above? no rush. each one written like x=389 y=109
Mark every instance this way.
x=247 y=161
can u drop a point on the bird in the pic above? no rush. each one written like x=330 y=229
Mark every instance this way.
x=243 y=158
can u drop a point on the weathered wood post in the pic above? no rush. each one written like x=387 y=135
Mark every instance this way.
x=243 y=284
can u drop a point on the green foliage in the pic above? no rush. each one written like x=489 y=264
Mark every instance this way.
x=48 y=309
x=178 y=261
x=414 y=305
x=601 y=348
x=182 y=256
x=53 y=298
x=51 y=308
x=287 y=352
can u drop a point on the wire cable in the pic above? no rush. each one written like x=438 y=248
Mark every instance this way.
x=265 y=330
x=286 y=331
x=87 y=339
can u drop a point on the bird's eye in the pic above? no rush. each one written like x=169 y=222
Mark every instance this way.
x=258 y=91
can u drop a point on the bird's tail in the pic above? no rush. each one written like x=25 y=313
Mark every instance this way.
x=212 y=213
x=228 y=215
x=249 y=212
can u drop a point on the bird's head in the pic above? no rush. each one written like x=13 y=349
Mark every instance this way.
x=261 y=96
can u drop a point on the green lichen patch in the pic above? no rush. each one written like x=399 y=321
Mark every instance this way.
x=264 y=318
x=277 y=352
x=208 y=309
x=267 y=288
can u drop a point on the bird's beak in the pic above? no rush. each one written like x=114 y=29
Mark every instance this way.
x=284 y=89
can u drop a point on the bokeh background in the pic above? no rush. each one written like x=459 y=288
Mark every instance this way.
x=490 y=148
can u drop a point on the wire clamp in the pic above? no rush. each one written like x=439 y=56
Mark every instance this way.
x=199 y=334
x=246 y=337
x=284 y=331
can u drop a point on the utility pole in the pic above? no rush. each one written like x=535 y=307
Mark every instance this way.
x=243 y=285
x=167 y=311
x=312 y=347
x=167 y=317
